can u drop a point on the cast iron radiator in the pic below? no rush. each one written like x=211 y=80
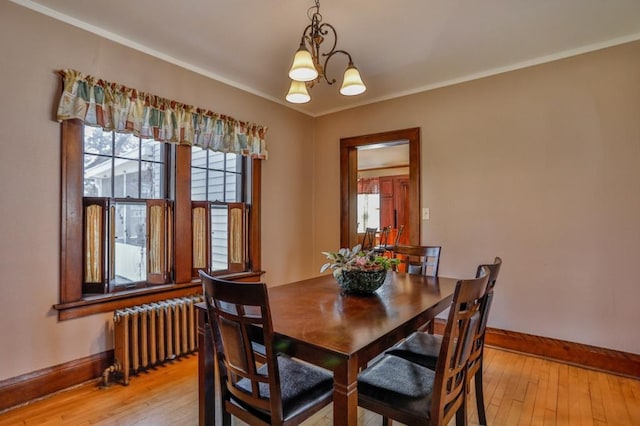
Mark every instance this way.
x=150 y=334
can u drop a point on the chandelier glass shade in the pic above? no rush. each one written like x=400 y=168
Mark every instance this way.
x=298 y=93
x=309 y=63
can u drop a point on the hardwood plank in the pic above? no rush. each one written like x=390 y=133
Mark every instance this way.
x=542 y=372
x=515 y=411
x=615 y=410
x=528 y=403
x=619 y=413
x=562 y=413
x=509 y=387
x=595 y=394
x=630 y=399
x=523 y=381
x=551 y=403
x=580 y=404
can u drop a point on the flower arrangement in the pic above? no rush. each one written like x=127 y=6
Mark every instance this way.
x=345 y=260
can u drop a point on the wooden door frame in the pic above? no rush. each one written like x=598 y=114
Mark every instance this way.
x=349 y=178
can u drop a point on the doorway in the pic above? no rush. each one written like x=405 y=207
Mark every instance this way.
x=349 y=181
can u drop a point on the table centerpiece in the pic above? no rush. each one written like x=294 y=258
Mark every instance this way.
x=358 y=271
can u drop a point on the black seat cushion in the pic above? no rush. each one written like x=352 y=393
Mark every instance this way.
x=403 y=385
x=421 y=348
x=301 y=385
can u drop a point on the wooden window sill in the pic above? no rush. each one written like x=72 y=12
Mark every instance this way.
x=95 y=304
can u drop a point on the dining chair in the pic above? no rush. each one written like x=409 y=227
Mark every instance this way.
x=369 y=239
x=280 y=391
x=423 y=348
x=398 y=235
x=412 y=394
x=382 y=247
x=423 y=260
x=419 y=259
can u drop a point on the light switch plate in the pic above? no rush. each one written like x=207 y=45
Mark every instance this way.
x=425 y=213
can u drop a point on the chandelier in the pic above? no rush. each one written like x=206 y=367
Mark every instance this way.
x=308 y=67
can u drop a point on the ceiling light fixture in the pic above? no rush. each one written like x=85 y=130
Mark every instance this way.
x=307 y=70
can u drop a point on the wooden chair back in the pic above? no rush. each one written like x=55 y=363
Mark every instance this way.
x=258 y=384
x=235 y=311
x=478 y=345
x=384 y=236
x=423 y=260
x=369 y=239
x=449 y=388
x=398 y=235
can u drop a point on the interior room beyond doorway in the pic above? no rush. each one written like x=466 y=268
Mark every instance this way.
x=383 y=189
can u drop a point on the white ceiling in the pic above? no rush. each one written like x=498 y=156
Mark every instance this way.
x=384 y=156
x=399 y=46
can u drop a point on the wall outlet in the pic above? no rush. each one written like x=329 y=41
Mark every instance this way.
x=425 y=213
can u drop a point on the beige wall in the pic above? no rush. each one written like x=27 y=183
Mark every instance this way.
x=539 y=166
x=32 y=48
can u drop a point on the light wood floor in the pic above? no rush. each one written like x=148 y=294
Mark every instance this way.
x=519 y=390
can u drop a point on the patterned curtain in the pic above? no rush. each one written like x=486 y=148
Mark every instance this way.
x=156 y=237
x=236 y=247
x=124 y=110
x=199 y=229
x=93 y=252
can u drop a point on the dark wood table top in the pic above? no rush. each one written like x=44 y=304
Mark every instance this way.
x=314 y=311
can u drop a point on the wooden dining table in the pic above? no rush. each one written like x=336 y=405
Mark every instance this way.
x=315 y=322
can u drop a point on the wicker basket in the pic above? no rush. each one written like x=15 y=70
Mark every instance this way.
x=361 y=281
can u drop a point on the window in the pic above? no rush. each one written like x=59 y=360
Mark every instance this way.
x=128 y=224
x=219 y=211
x=368 y=207
x=128 y=234
x=368 y=212
x=216 y=176
x=126 y=211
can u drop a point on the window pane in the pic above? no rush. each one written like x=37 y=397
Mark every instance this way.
x=198 y=157
x=152 y=179
x=219 y=238
x=97 y=141
x=97 y=176
x=127 y=145
x=216 y=186
x=233 y=162
x=216 y=160
x=198 y=184
x=126 y=178
x=130 y=243
x=232 y=187
x=152 y=150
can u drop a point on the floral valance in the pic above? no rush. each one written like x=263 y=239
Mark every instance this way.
x=125 y=110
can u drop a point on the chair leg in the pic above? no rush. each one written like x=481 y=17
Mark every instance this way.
x=431 y=327
x=461 y=414
x=386 y=421
x=427 y=328
x=226 y=418
x=482 y=417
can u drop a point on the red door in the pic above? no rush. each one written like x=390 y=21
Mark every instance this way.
x=394 y=206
